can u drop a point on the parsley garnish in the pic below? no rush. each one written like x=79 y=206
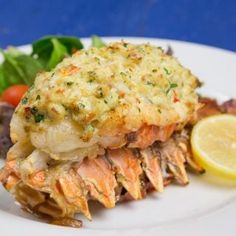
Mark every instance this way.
x=97 y=60
x=24 y=100
x=172 y=85
x=33 y=110
x=167 y=71
x=69 y=83
x=38 y=117
x=90 y=128
x=122 y=73
x=100 y=92
x=81 y=105
x=150 y=83
x=92 y=74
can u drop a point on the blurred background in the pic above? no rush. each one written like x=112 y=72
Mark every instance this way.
x=211 y=22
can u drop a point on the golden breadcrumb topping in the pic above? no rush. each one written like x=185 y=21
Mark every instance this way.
x=106 y=92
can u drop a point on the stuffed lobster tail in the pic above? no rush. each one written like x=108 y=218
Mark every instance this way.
x=106 y=125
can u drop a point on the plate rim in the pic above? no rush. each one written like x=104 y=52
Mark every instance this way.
x=140 y=230
x=166 y=40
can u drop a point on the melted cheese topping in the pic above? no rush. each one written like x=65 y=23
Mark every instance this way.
x=106 y=92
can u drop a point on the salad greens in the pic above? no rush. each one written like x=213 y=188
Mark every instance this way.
x=20 y=68
x=58 y=53
x=50 y=50
x=97 y=42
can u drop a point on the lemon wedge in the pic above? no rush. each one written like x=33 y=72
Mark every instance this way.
x=213 y=141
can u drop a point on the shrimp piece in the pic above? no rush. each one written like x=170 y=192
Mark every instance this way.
x=128 y=170
x=182 y=141
x=10 y=181
x=27 y=196
x=33 y=169
x=70 y=193
x=175 y=161
x=100 y=180
x=67 y=222
x=37 y=179
x=148 y=134
x=152 y=168
x=60 y=181
x=10 y=174
x=229 y=107
x=209 y=108
x=49 y=208
x=19 y=150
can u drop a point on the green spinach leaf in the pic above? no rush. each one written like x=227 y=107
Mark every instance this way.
x=11 y=72
x=97 y=42
x=29 y=66
x=3 y=82
x=17 y=68
x=44 y=48
x=58 y=53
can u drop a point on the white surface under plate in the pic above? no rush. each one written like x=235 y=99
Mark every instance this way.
x=207 y=206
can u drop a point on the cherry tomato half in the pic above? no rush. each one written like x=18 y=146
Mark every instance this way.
x=14 y=94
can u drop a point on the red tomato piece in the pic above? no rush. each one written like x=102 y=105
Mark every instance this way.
x=13 y=94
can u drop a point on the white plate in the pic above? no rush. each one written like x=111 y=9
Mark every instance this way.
x=205 y=207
